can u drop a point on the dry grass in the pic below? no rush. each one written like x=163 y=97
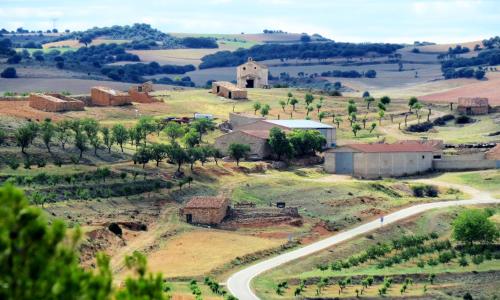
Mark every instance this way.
x=188 y=254
x=444 y=47
x=76 y=44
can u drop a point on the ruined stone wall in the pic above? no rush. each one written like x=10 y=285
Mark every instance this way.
x=54 y=103
x=103 y=98
x=139 y=97
x=209 y=216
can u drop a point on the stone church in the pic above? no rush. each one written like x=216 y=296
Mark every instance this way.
x=252 y=75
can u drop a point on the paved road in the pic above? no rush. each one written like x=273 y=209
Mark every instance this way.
x=239 y=283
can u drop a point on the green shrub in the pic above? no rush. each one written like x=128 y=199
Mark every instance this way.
x=13 y=164
x=463 y=261
x=478 y=259
x=421 y=264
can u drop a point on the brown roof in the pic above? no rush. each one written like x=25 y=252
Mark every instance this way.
x=263 y=134
x=228 y=85
x=437 y=144
x=375 y=148
x=472 y=102
x=494 y=153
x=205 y=202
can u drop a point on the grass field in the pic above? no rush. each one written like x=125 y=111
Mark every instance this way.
x=197 y=252
x=76 y=44
x=483 y=180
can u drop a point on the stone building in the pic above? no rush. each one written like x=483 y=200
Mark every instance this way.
x=256 y=139
x=104 y=96
x=380 y=160
x=239 y=119
x=252 y=75
x=473 y=106
x=228 y=90
x=54 y=102
x=205 y=210
x=140 y=93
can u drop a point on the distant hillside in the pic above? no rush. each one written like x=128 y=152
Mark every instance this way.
x=322 y=50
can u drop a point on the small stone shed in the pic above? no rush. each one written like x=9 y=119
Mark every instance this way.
x=104 y=96
x=228 y=90
x=205 y=210
x=380 y=160
x=54 y=102
x=252 y=75
x=256 y=139
x=140 y=93
x=473 y=106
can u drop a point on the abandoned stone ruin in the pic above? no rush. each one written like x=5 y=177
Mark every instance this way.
x=104 y=96
x=54 y=102
x=140 y=93
x=473 y=106
x=252 y=75
x=228 y=90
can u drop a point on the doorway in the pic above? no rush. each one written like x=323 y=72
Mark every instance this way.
x=189 y=218
x=218 y=89
x=230 y=95
x=250 y=83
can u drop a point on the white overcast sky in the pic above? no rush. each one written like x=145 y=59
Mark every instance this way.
x=347 y=20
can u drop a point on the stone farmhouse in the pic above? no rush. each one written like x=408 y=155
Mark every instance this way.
x=140 y=93
x=104 y=96
x=205 y=210
x=252 y=75
x=255 y=133
x=380 y=160
x=228 y=90
x=473 y=106
x=240 y=119
x=54 y=102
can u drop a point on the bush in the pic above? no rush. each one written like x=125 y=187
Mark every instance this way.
x=463 y=119
x=441 y=121
x=422 y=127
x=9 y=73
x=478 y=259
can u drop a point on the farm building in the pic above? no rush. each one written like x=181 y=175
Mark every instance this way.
x=494 y=155
x=329 y=132
x=239 y=119
x=140 y=93
x=380 y=160
x=104 y=96
x=54 y=102
x=228 y=90
x=473 y=106
x=252 y=75
x=205 y=210
x=256 y=139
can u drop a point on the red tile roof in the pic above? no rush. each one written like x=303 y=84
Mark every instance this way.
x=437 y=144
x=205 y=202
x=375 y=148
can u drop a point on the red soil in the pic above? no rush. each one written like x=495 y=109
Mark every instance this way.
x=21 y=109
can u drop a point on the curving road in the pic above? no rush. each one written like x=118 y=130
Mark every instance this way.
x=239 y=283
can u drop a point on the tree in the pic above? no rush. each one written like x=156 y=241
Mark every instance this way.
x=85 y=39
x=103 y=173
x=417 y=107
x=372 y=127
x=256 y=106
x=381 y=106
x=473 y=225
x=177 y=155
x=355 y=128
x=280 y=145
x=264 y=111
x=159 y=152
x=381 y=115
x=282 y=104
x=216 y=154
x=193 y=154
x=191 y=138
x=202 y=126
x=306 y=142
x=385 y=100
x=48 y=132
x=294 y=102
x=23 y=137
x=107 y=138
x=63 y=133
x=9 y=72
x=368 y=101
x=321 y=116
x=80 y=142
x=309 y=109
x=351 y=107
x=142 y=156
x=120 y=134
x=338 y=120
x=366 y=94
x=412 y=102
x=238 y=151
x=34 y=128
x=145 y=127
x=319 y=105
x=308 y=98
x=173 y=130
x=3 y=136
x=290 y=96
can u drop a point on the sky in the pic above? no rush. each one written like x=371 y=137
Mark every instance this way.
x=402 y=21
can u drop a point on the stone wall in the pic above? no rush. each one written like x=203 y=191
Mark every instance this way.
x=54 y=103
x=474 y=161
x=210 y=216
x=141 y=97
x=259 y=148
x=108 y=97
x=237 y=120
x=228 y=90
